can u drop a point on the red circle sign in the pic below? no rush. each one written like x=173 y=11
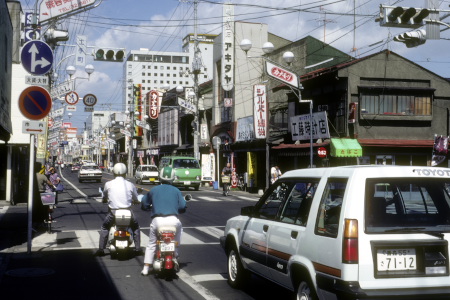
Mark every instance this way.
x=322 y=152
x=35 y=103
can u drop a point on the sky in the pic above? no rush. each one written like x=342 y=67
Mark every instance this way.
x=348 y=25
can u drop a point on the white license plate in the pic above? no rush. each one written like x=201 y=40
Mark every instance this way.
x=91 y=174
x=187 y=183
x=121 y=244
x=167 y=247
x=396 y=259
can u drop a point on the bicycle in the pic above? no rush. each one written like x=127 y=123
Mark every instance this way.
x=226 y=184
x=48 y=199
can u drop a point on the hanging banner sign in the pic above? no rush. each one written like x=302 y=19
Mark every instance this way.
x=260 y=111
x=50 y=9
x=282 y=75
x=57 y=113
x=228 y=47
x=62 y=88
x=154 y=104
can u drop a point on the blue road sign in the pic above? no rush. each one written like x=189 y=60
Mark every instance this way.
x=37 y=57
x=35 y=103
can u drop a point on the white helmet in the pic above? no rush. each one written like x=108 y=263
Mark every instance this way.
x=119 y=169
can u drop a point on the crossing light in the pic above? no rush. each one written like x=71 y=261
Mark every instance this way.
x=53 y=36
x=109 y=54
x=405 y=17
x=412 y=38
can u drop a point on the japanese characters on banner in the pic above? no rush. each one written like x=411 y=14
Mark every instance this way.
x=154 y=104
x=260 y=111
x=138 y=107
x=301 y=130
x=50 y=9
x=440 y=149
x=228 y=47
x=208 y=167
x=80 y=58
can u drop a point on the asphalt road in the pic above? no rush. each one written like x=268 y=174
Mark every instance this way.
x=74 y=239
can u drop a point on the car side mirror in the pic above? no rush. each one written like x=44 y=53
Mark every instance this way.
x=248 y=211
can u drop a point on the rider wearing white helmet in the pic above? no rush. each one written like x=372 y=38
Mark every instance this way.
x=119 y=193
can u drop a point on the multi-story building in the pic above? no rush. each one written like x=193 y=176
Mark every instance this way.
x=159 y=70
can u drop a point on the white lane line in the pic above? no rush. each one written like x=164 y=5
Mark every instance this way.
x=74 y=187
x=208 y=277
x=205 y=293
x=248 y=198
x=212 y=231
x=210 y=199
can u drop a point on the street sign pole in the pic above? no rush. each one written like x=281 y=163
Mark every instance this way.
x=30 y=193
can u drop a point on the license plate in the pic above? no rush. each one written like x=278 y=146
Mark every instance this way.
x=152 y=179
x=187 y=183
x=396 y=259
x=91 y=174
x=167 y=247
x=121 y=244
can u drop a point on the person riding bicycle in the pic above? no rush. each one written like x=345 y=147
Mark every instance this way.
x=165 y=203
x=226 y=171
x=119 y=194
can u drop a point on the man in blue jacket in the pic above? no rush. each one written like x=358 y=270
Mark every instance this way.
x=165 y=202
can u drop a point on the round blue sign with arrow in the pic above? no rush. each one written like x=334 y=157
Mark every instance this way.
x=37 y=57
x=35 y=103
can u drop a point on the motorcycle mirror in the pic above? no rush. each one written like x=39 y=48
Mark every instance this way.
x=188 y=197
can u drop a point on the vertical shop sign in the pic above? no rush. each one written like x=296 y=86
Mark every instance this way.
x=228 y=47
x=153 y=104
x=260 y=111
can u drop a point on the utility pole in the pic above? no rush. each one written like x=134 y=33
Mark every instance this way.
x=130 y=147
x=196 y=66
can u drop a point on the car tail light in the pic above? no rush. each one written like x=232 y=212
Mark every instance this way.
x=121 y=233
x=350 y=242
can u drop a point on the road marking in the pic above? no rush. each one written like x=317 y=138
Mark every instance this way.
x=208 y=277
x=210 y=199
x=205 y=293
x=248 y=198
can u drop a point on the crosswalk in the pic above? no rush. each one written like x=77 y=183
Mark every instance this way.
x=88 y=239
x=194 y=199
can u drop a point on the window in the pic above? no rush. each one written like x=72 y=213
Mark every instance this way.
x=407 y=205
x=143 y=66
x=143 y=73
x=392 y=103
x=330 y=207
x=298 y=203
x=268 y=207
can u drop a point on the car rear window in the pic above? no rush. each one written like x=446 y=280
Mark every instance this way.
x=407 y=205
x=149 y=169
x=186 y=163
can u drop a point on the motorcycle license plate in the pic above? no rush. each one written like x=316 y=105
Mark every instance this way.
x=167 y=247
x=121 y=244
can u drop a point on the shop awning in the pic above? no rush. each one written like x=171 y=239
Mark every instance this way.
x=345 y=148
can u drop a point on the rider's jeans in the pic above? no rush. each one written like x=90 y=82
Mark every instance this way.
x=154 y=225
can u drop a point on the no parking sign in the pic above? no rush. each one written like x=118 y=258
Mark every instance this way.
x=35 y=103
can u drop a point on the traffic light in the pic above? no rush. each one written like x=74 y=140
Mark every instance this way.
x=405 y=17
x=52 y=36
x=109 y=54
x=412 y=38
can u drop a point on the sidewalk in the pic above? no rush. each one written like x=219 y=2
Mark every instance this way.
x=62 y=274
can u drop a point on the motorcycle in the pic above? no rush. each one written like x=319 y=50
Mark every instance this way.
x=165 y=249
x=120 y=235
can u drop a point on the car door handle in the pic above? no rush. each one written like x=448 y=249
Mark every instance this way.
x=265 y=228
x=294 y=234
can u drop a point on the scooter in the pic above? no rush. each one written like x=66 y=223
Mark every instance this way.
x=164 y=264
x=120 y=235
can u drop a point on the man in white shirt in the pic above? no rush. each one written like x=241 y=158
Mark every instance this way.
x=119 y=193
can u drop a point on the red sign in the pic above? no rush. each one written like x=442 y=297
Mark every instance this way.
x=153 y=104
x=50 y=122
x=35 y=103
x=322 y=152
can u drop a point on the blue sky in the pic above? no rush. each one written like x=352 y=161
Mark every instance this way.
x=161 y=25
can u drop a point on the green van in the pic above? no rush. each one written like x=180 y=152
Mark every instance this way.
x=181 y=171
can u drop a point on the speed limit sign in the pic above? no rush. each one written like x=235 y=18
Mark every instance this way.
x=322 y=152
x=89 y=100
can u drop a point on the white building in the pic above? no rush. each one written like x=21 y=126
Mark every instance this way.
x=157 y=70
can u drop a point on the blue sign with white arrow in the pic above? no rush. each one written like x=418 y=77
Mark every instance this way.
x=37 y=57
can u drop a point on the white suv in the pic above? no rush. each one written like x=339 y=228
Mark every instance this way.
x=354 y=232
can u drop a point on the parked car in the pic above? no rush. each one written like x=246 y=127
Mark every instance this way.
x=89 y=171
x=353 y=232
x=146 y=174
x=75 y=168
x=181 y=171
